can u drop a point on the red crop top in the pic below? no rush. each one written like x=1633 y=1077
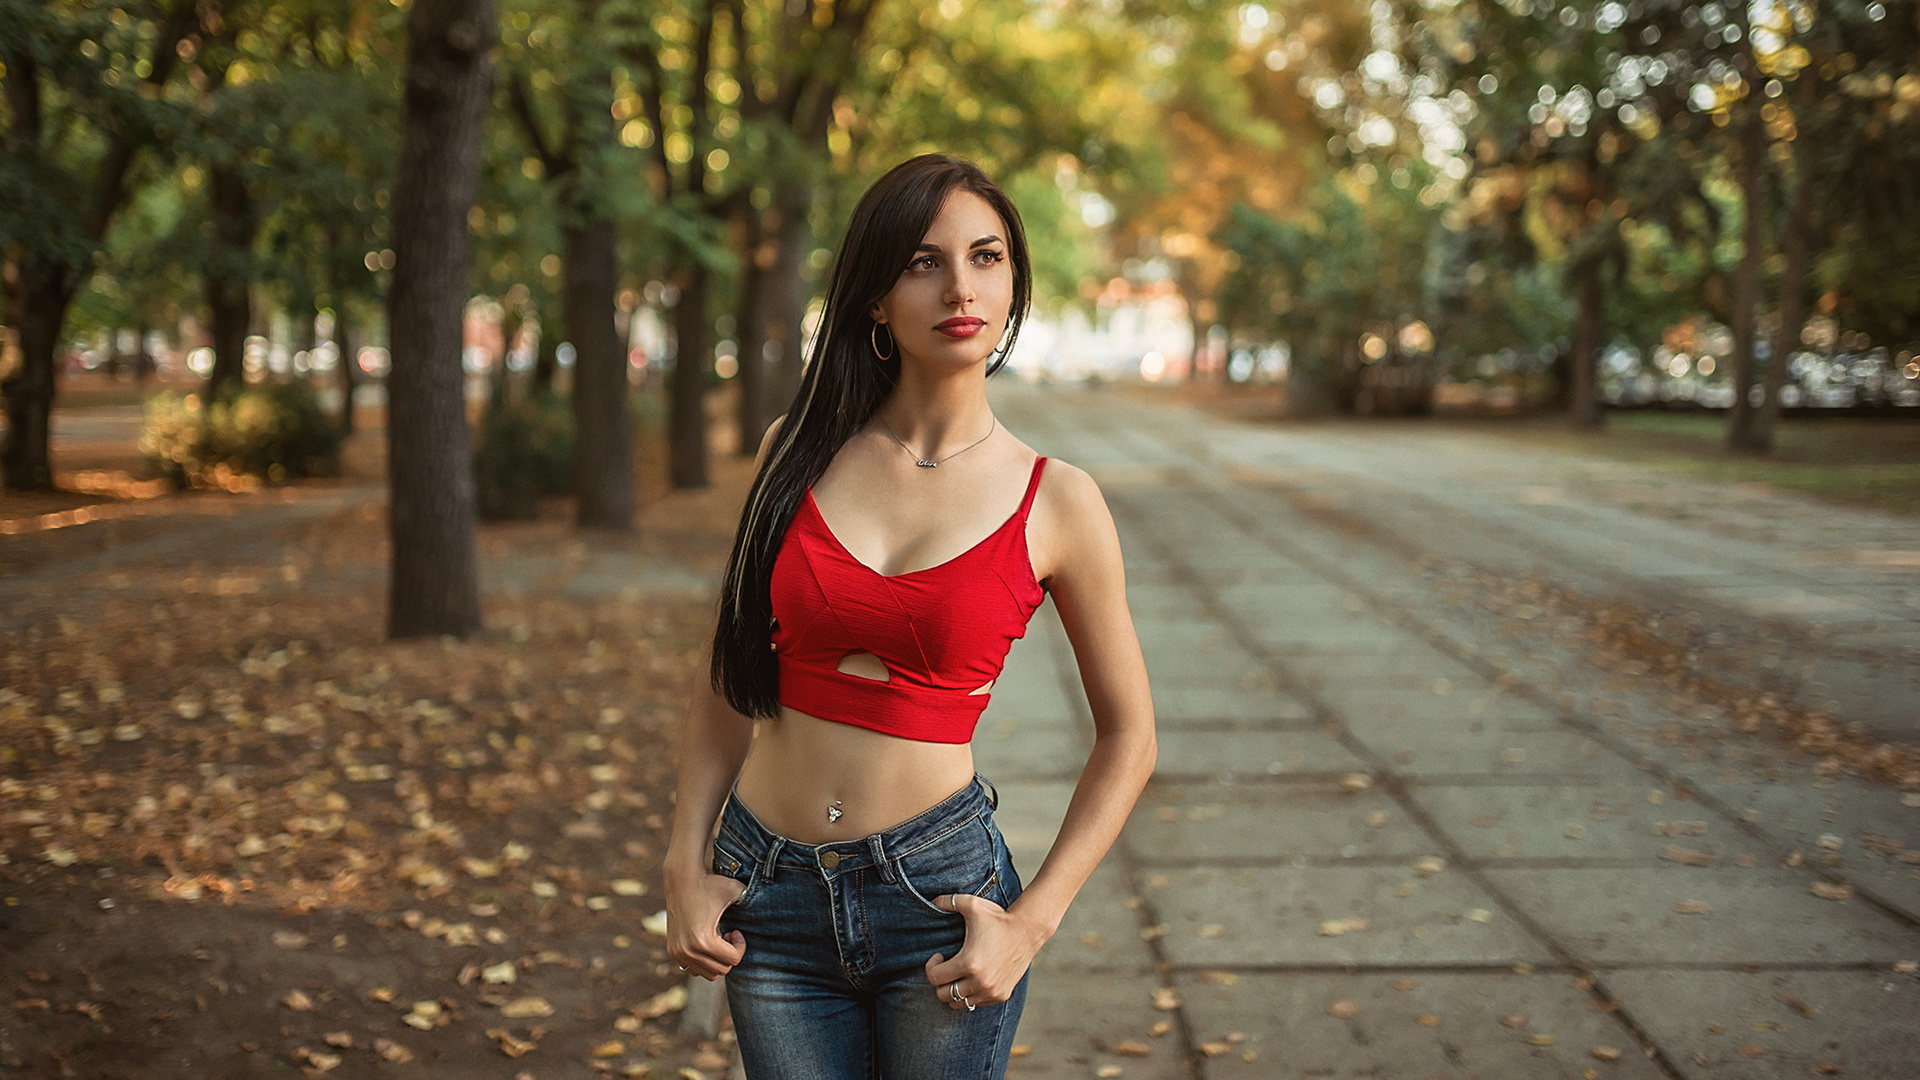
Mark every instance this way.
x=943 y=632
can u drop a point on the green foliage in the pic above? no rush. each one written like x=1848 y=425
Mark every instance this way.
x=276 y=432
x=525 y=451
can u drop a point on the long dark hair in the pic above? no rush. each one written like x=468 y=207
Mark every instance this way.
x=844 y=383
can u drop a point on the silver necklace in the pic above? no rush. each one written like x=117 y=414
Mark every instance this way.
x=923 y=462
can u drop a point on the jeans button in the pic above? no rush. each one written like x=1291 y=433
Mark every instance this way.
x=829 y=859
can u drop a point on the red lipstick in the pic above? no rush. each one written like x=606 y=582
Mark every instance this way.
x=961 y=326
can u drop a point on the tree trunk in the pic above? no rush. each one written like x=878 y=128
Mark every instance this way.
x=1793 y=312
x=349 y=364
x=687 y=412
x=36 y=309
x=1746 y=294
x=756 y=304
x=227 y=279
x=434 y=588
x=1583 y=398
x=786 y=331
x=603 y=437
x=546 y=357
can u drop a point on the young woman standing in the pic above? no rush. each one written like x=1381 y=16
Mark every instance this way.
x=895 y=542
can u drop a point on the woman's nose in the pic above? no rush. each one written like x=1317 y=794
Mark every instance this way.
x=960 y=285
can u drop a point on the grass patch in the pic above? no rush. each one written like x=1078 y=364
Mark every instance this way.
x=1857 y=461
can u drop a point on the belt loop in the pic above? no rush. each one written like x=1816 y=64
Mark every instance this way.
x=993 y=793
x=880 y=858
x=773 y=854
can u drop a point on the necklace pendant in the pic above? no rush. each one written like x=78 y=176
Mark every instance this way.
x=925 y=464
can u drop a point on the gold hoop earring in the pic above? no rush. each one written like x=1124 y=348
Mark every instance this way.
x=873 y=338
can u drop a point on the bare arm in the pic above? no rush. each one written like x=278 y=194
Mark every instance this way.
x=712 y=749
x=1073 y=530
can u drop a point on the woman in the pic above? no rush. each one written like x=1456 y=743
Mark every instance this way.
x=857 y=893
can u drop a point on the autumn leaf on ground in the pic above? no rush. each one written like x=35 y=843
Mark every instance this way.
x=1692 y=907
x=525 y=1007
x=672 y=999
x=1827 y=890
x=1132 y=1048
x=1166 y=998
x=1345 y=1010
x=509 y=1045
x=1337 y=927
x=297 y=1000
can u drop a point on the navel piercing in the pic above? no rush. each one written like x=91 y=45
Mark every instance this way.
x=833 y=812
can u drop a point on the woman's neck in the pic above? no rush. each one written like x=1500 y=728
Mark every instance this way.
x=936 y=414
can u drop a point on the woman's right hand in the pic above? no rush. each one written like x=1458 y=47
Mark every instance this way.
x=694 y=906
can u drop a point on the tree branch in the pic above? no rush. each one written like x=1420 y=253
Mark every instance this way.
x=520 y=100
x=110 y=190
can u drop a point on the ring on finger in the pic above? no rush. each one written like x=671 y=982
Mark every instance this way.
x=953 y=990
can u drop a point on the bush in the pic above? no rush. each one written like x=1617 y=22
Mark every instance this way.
x=526 y=451
x=275 y=433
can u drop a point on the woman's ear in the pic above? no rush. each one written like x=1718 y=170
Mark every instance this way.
x=877 y=314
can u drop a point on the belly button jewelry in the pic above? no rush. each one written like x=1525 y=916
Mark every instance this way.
x=833 y=812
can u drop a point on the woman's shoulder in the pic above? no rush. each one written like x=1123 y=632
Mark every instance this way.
x=1067 y=493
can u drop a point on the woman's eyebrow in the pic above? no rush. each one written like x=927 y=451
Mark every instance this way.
x=982 y=242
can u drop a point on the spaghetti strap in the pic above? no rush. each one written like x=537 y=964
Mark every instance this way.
x=1033 y=486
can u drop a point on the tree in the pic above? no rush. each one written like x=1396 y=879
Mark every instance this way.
x=434 y=588
x=83 y=94
x=583 y=166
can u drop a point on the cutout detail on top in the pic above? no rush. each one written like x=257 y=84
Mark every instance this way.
x=865 y=665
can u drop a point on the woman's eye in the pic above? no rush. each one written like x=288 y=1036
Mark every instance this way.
x=924 y=262
x=990 y=257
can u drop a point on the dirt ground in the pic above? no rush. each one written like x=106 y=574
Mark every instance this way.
x=242 y=835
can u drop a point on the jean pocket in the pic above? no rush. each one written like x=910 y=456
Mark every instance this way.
x=730 y=861
x=964 y=861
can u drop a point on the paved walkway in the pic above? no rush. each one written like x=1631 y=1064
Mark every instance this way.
x=1382 y=841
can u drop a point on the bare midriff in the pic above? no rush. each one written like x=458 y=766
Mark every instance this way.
x=800 y=767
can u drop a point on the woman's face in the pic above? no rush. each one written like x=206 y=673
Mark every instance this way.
x=951 y=303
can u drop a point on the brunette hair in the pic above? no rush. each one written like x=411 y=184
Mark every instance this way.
x=844 y=383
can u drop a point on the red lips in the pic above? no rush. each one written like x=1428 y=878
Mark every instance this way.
x=961 y=326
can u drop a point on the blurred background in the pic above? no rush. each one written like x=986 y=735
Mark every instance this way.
x=1341 y=207
x=1507 y=410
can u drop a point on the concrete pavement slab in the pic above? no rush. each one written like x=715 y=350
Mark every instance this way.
x=1225 y=917
x=1454 y=748
x=1073 y=1021
x=1561 y=821
x=1732 y=1025
x=1252 y=754
x=1761 y=915
x=1868 y=835
x=1005 y=748
x=1212 y=823
x=1411 y=1026
x=1176 y=705
x=1101 y=930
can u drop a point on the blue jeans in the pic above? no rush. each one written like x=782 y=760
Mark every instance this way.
x=834 y=983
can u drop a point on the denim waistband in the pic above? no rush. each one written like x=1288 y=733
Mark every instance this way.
x=770 y=850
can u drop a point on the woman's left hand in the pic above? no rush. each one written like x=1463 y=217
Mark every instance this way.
x=999 y=947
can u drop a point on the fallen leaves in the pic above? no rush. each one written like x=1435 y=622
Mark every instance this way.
x=1337 y=927
x=297 y=1000
x=1166 y=998
x=1692 y=907
x=1344 y=1010
x=1605 y=1053
x=392 y=1051
x=1827 y=890
x=289 y=939
x=511 y=1045
x=1687 y=856
x=524 y=1007
x=672 y=999
x=425 y=1016
x=1428 y=865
